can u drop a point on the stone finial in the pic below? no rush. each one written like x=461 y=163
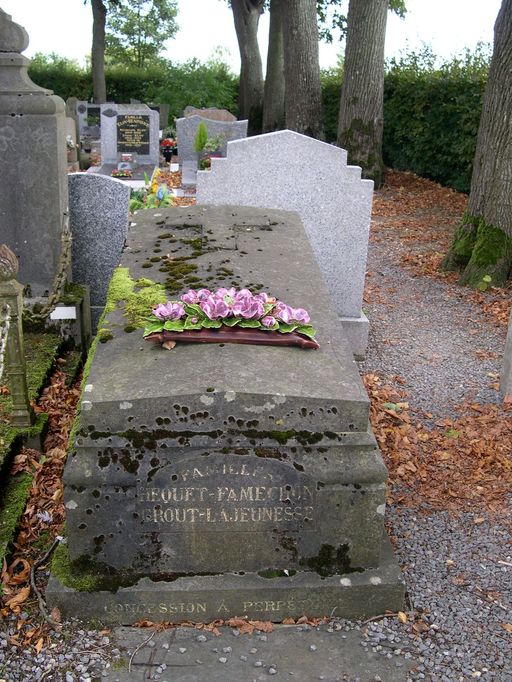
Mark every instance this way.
x=8 y=264
x=13 y=37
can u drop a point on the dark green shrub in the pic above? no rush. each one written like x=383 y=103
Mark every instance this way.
x=201 y=85
x=431 y=115
x=331 y=90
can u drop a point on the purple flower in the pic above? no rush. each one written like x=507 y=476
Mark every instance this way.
x=169 y=311
x=193 y=296
x=300 y=315
x=215 y=308
x=268 y=321
x=283 y=312
x=222 y=292
x=248 y=308
x=289 y=315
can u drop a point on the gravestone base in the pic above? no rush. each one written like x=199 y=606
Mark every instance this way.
x=356 y=332
x=189 y=173
x=351 y=596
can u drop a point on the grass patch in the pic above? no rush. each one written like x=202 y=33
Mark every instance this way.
x=40 y=352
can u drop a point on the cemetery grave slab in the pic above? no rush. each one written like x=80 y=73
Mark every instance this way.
x=214 y=460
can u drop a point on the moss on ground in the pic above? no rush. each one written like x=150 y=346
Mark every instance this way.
x=13 y=505
x=40 y=352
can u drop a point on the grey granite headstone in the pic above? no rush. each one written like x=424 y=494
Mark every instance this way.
x=33 y=176
x=129 y=128
x=294 y=172
x=98 y=211
x=506 y=371
x=211 y=113
x=221 y=458
x=186 y=129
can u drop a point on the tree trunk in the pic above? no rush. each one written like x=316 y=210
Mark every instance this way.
x=303 y=94
x=273 y=97
x=482 y=244
x=362 y=93
x=99 y=88
x=246 y=15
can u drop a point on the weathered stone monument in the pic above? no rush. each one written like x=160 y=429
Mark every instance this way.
x=290 y=171
x=129 y=129
x=220 y=480
x=98 y=216
x=32 y=137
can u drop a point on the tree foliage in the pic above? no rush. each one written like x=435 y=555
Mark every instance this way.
x=138 y=29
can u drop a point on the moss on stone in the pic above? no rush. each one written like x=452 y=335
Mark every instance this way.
x=120 y=287
x=73 y=294
x=61 y=569
x=139 y=296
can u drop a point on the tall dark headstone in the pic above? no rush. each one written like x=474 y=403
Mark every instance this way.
x=33 y=164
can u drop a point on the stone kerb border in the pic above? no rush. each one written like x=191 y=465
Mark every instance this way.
x=286 y=170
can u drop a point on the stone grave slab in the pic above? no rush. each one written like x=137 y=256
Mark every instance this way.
x=298 y=173
x=252 y=465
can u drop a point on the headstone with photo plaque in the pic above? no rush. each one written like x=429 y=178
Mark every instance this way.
x=222 y=480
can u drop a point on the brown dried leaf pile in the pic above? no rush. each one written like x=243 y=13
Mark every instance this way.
x=458 y=465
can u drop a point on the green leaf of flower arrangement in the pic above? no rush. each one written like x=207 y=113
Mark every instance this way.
x=273 y=328
x=174 y=325
x=307 y=330
x=153 y=326
x=287 y=328
x=211 y=324
x=231 y=321
x=194 y=309
x=192 y=325
x=251 y=324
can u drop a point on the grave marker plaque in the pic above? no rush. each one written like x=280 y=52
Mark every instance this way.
x=133 y=134
x=226 y=459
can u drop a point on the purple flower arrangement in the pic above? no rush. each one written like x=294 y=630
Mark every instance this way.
x=205 y=309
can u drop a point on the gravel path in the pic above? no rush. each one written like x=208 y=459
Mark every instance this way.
x=458 y=568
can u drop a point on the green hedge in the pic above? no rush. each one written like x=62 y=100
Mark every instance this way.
x=431 y=116
x=431 y=113
x=201 y=85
